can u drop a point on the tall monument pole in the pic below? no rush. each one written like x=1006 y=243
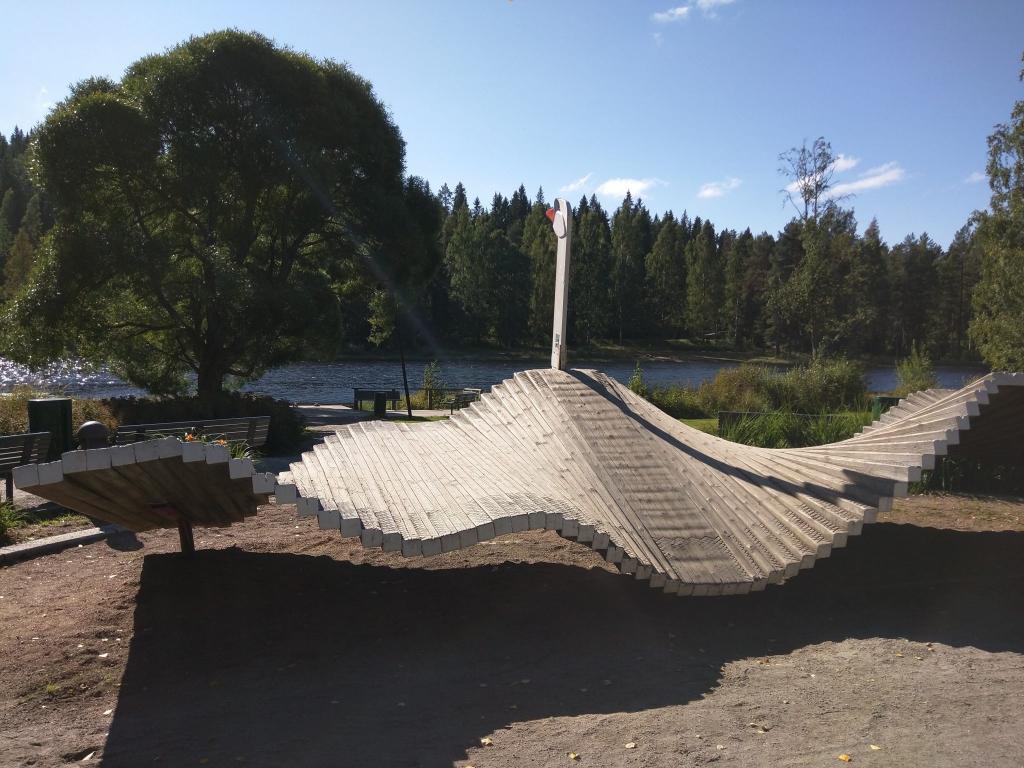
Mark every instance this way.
x=561 y=222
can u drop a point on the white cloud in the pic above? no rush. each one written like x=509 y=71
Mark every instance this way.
x=718 y=188
x=619 y=187
x=975 y=178
x=708 y=6
x=839 y=165
x=672 y=14
x=575 y=186
x=873 y=178
x=844 y=163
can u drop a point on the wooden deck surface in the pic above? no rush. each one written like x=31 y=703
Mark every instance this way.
x=577 y=452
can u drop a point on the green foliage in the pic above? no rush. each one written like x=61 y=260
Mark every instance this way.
x=821 y=386
x=705 y=279
x=631 y=233
x=207 y=207
x=287 y=427
x=782 y=429
x=957 y=475
x=915 y=372
x=19 y=264
x=10 y=517
x=637 y=385
x=433 y=379
x=237 y=449
x=490 y=277
x=678 y=402
x=666 y=278
x=14 y=410
x=590 y=300
x=998 y=324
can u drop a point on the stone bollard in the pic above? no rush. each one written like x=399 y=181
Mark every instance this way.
x=93 y=434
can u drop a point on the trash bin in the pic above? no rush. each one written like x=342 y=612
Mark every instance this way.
x=53 y=415
x=380 y=405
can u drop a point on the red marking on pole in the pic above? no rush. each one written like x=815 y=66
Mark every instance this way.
x=550 y=213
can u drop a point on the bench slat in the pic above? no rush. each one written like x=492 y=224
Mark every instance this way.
x=251 y=429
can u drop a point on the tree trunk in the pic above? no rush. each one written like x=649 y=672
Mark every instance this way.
x=209 y=384
x=401 y=356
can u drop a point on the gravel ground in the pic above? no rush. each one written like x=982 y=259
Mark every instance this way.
x=280 y=645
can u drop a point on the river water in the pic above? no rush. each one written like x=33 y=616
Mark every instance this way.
x=333 y=382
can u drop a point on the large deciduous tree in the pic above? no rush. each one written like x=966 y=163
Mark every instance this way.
x=998 y=323
x=207 y=209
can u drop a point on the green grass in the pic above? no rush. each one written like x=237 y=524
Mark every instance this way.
x=704 y=425
x=12 y=518
x=782 y=429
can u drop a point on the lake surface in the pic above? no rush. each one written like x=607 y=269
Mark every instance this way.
x=334 y=382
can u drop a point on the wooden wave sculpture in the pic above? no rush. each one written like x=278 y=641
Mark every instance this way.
x=161 y=483
x=579 y=453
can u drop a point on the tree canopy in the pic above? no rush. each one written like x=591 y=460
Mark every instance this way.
x=998 y=324
x=208 y=208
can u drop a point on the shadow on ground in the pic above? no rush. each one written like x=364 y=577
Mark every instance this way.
x=296 y=660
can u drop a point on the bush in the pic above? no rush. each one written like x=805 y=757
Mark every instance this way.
x=287 y=427
x=780 y=429
x=914 y=373
x=636 y=382
x=953 y=475
x=820 y=387
x=433 y=383
x=14 y=411
x=678 y=402
x=10 y=518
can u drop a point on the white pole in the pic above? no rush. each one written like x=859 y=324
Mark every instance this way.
x=561 y=222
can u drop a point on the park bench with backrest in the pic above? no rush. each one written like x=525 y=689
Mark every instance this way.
x=463 y=397
x=249 y=429
x=16 y=450
x=361 y=394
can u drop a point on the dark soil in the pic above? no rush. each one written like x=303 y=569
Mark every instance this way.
x=280 y=645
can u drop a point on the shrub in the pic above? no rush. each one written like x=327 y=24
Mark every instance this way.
x=287 y=427
x=914 y=372
x=781 y=429
x=822 y=386
x=10 y=517
x=636 y=381
x=678 y=402
x=14 y=410
x=433 y=382
x=954 y=474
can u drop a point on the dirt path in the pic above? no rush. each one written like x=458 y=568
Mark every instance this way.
x=284 y=646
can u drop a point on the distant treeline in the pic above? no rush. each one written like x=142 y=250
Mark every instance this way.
x=816 y=286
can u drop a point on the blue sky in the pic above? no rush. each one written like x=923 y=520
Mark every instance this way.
x=687 y=102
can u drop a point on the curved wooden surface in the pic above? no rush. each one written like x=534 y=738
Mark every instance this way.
x=152 y=484
x=578 y=453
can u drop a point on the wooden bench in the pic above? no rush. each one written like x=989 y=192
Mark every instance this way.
x=16 y=450
x=359 y=395
x=464 y=397
x=249 y=429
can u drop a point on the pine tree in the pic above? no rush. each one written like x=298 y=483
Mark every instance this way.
x=459 y=200
x=958 y=273
x=444 y=197
x=666 y=280
x=736 y=309
x=630 y=233
x=539 y=247
x=590 y=296
x=704 y=283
